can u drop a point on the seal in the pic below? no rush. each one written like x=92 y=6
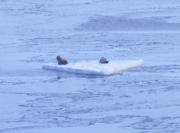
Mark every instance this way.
x=61 y=61
x=103 y=60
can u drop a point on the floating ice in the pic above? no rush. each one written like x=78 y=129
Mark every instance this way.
x=94 y=68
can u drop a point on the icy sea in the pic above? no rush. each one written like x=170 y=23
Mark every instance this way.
x=142 y=100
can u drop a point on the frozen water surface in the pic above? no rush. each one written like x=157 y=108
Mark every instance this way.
x=143 y=100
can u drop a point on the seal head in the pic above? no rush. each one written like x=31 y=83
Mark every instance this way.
x=103 y=60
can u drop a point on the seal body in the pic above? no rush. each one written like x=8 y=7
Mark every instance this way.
x=103 y=60
x=61 y=61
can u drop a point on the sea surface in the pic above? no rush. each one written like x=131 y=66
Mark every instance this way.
x=142 y=100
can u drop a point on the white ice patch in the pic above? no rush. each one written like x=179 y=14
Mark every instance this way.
x=94 y=68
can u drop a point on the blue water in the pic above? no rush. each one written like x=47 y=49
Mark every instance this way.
x=141 y=100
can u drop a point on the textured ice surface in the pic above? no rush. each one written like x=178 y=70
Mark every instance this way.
x=33 y=33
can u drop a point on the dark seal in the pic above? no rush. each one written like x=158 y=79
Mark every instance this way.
x=61 y=61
